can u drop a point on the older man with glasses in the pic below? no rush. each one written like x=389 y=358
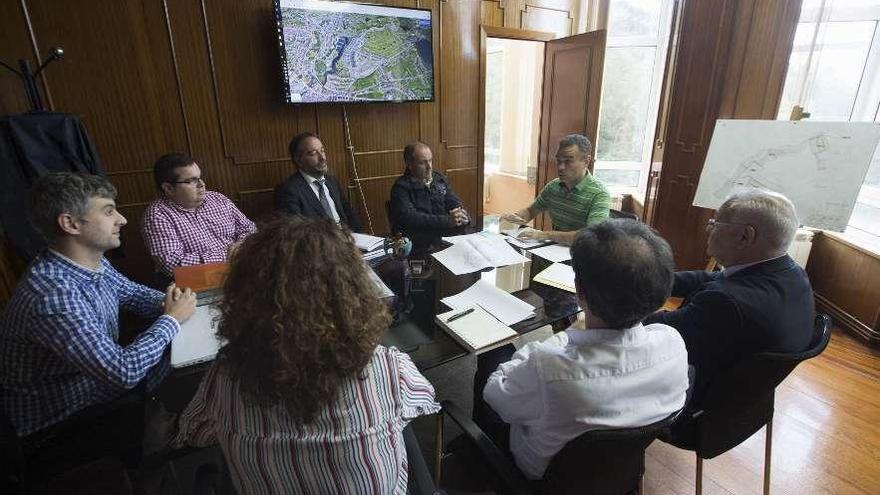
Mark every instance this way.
x=761 y=301
x=189 y=225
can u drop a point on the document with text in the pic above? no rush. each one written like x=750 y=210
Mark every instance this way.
x=473 y=253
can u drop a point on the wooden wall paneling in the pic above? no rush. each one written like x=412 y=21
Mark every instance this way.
x=13 y=46
x=255 y=125
x=844 y=278
x=459 y=96
x=552 y=16
x=467 y=183
x=492 y=14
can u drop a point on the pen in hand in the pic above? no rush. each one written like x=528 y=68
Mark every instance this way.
x=459 y=315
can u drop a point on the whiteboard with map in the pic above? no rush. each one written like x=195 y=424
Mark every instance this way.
x=820 y=166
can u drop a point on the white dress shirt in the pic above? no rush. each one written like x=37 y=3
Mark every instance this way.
x=311 y=180
x=550 y=392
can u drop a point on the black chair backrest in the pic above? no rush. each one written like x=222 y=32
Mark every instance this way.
x=739 y=402
x=622 y=214
x=603 y=461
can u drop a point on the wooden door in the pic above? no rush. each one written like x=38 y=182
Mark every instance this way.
x=570 y=100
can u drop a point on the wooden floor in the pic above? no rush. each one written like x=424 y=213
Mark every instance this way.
x=826 y=435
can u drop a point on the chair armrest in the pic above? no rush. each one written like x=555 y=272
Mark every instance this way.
x=496 y=460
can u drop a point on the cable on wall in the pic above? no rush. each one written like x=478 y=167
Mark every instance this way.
x=357 y=180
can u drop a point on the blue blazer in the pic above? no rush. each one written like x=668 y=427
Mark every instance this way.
x=297 y=197
x=768 y=307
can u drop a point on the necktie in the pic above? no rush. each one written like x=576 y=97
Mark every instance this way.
x=323 y=198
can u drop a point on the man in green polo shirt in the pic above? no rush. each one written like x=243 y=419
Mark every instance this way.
x=574 y=200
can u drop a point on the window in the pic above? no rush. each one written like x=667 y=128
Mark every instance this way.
x=833 y=75
x=638 y=35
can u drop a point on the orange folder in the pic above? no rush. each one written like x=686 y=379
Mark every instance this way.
x=201 y=277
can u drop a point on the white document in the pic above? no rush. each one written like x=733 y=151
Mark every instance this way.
x=555 y=253
x=500 y=304
x=476 y=252
x=820 y=166
x=559 y=276
x=366 y=242
x=196 y=342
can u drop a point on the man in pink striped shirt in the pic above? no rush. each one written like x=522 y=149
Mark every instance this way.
x=189 y=225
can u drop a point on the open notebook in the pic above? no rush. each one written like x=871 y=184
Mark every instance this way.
x=477 y=331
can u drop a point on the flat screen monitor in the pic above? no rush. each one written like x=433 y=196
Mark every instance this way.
x=349 y=52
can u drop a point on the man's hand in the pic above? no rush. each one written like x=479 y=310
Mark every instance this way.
x=533 y=235
x=459 y=216
x=178 y=304
x=514 y=218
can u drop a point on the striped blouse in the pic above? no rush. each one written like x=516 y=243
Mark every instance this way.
x=353 y=446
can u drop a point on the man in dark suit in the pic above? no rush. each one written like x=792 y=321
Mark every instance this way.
x=762 y=300
x=311 y=191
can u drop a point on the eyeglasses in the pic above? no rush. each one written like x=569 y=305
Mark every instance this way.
x=713 y=222
x=191 y=181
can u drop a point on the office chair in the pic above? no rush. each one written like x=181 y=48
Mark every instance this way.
x=739 y=402
x=597 y=462
x=612 y=213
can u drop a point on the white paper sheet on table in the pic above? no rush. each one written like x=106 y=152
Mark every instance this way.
x=366 y=242
x=555 y=253
x=507 y=308
x=557 y=275
x=475 y=252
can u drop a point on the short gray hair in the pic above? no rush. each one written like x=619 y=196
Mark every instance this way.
x=64 y=192
x=578 y=140
x=771 y=214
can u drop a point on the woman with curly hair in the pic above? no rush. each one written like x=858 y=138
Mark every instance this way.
x=302 y=399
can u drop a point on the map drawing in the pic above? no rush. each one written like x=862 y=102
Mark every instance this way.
x=350 y=55
x=820 y=166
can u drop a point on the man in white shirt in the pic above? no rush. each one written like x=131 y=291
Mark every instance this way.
x=607 y=371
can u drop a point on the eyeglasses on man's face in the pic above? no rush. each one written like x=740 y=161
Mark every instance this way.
x=192 y=181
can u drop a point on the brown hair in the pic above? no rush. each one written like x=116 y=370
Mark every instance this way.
x=299 y=313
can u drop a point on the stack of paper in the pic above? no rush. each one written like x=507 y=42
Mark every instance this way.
x=366 y=242
x=557 y=275
x=475 y=252
x=502 y=305
x=475 y=329
x=555 y=253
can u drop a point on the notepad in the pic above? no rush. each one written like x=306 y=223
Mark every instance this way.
x=559 y=276
x=477 y=331
x=196 y=342
x=507 y=308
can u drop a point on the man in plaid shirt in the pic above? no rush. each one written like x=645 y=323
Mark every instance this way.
x=189 y=225
x=58 y=336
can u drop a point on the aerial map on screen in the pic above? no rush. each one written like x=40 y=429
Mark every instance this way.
x=337 y=51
